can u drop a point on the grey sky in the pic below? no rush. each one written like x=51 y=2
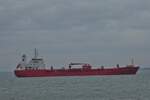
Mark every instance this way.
x=94 y=31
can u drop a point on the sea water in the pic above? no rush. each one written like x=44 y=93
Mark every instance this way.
x=121 y=87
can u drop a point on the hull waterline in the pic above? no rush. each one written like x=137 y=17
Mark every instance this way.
x=75 y=72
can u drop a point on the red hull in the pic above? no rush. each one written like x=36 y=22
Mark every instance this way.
x=75 y=72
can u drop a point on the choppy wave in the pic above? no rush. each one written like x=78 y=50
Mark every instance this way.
x=122 y=87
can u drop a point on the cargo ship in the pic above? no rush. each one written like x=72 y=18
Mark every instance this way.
x=37 y=68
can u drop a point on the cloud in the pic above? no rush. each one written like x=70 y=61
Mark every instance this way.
x=94 y=31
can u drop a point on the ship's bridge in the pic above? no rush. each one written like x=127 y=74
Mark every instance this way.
x=36 y=63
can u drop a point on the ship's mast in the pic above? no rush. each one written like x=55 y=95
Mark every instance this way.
x=132 y=61
x=24 y=58
x=35 y=53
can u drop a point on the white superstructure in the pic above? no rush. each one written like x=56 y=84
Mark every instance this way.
x=34 y=63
